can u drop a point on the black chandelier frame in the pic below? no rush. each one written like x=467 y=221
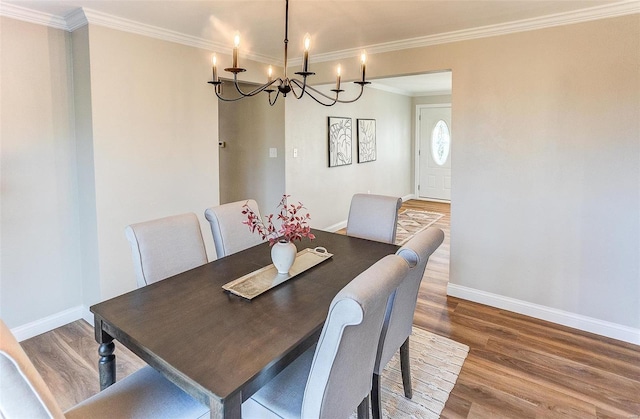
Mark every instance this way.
x=285 y=85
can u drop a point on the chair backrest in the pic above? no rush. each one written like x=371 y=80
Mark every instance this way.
x=229 y=234
x=23 y=392
x=340 y=376
x=373 y=217
x=165 y=247
x=399 y=320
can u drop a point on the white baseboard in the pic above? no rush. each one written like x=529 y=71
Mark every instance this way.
x=48 y=323
x=408 y=197
x=444 y=201
x=565 y=318
x=343 y=224
x=336 y=227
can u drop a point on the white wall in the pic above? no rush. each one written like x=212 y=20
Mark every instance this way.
x=545 y=166
x=431 y=100
x=40 y=268
x=155 y=143
x=140 y=144
x=327 y=191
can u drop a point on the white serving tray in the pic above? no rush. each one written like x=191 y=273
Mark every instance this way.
x=262 y=280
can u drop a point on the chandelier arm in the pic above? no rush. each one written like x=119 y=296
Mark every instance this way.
x=224 y=99
x=354 y=99
x=257 y=90
x=274 y=99
x=301 y=87
x=333 y=100
x=336 y=98
x=260 y=88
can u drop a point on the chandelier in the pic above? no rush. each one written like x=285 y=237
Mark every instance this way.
x=285 y=85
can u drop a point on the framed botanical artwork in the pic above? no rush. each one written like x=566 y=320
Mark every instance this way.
x=340 y=144
x=366 y=140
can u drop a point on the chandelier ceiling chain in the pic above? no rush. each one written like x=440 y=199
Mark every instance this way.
x=285 y=85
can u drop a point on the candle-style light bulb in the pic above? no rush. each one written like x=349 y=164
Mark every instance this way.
x=236 y=44
x=363 y=59
x=338 y=78
x=270 y=73
x=305 y=60
x=214 y=63
x=307 y=41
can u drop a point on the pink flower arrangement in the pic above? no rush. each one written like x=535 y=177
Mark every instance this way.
x=293 y=218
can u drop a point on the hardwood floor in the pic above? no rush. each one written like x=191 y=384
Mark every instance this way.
x=518 y=367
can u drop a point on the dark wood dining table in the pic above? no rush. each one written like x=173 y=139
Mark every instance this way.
x=216 y=346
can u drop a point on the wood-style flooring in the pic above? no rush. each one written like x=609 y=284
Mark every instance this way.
x=518 y=367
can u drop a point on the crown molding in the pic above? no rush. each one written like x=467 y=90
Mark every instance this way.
x=84 y=16
x=623 y=8
x=32 y=16
x=75 y=20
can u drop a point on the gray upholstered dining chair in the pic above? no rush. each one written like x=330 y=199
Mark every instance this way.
x=229 y=234
x=334 y=378
x=399 y=320
x=373 y=217
x=143 y=394
x=165 y=247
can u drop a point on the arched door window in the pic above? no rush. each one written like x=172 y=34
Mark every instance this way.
x=440 y=143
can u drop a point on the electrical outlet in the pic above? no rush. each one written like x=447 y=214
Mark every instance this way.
x=273 y=152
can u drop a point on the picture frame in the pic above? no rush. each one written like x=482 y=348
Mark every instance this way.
x=366 y=140
x=340 y=141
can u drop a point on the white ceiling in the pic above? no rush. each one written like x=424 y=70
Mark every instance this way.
x=335 y=26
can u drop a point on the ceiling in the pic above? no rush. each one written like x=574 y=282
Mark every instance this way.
x=335 y=26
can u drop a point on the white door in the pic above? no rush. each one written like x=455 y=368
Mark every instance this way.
x=434 y=181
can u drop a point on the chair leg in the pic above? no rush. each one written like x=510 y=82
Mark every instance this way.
x=405 y=367
x=363 y=408
x=376 y=401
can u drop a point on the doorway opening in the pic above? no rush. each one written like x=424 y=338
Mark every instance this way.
x=433 y=152
x=251 y=158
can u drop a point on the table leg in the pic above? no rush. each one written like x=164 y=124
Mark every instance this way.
x=231 y=408
x=107 y=364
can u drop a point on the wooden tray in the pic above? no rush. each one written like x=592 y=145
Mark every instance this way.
x=262 y=280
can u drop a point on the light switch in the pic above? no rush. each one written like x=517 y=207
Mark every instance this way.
x=295 y=152
x=273 y=152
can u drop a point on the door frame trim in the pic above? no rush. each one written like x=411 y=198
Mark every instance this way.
x=416 y=145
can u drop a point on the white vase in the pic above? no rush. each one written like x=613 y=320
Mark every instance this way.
x=283 y=254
